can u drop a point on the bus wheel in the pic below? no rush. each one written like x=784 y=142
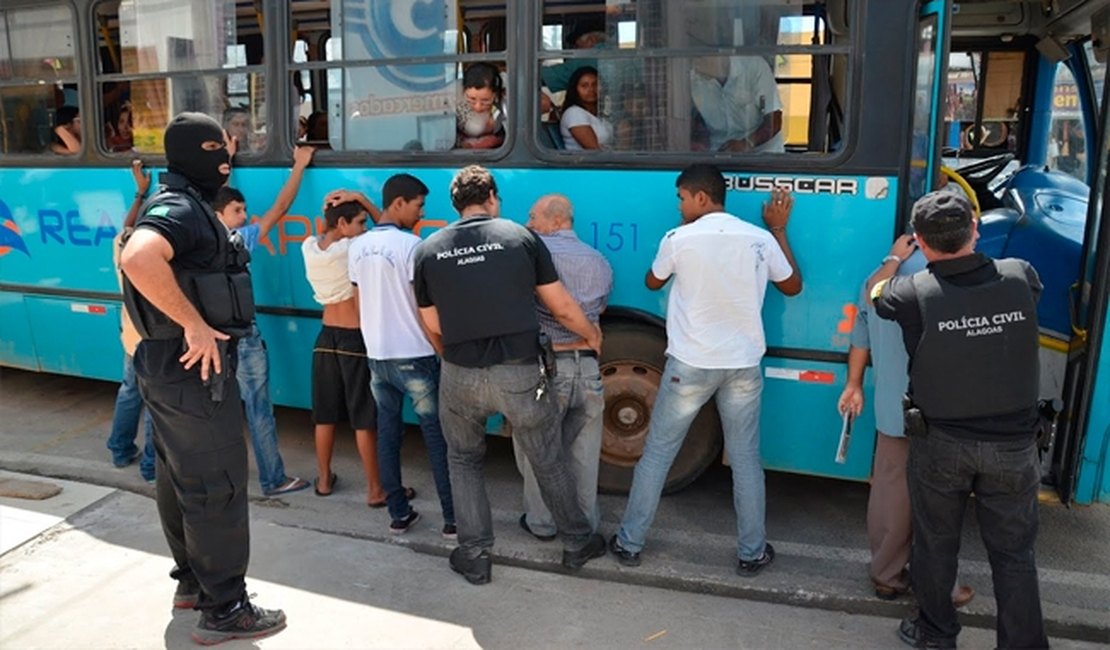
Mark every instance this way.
x=632 y=362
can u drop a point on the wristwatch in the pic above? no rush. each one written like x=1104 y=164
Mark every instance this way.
x=890 y=258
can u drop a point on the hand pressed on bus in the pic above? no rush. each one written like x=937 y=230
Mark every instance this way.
x=776 y=212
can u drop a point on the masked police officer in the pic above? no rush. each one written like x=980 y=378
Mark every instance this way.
x=969 y=324
x=187 y=290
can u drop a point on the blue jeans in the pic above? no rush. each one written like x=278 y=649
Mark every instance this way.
x=578 y=391
x=254 y=387
x=467 y=396
x=943 y=472
x=683 y=390
x=125 y=423
x=390 y=381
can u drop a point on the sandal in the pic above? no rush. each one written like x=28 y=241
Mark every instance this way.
x=316 y=485
x=410 y=494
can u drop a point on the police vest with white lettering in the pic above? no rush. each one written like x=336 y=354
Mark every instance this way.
x=222 y=292
x=978 y=353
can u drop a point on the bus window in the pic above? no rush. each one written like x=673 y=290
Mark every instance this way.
x=1067 y=144
x=984 y=102
x=158 y=59
x=765 y=83
x=391 y=78
x=39 y=112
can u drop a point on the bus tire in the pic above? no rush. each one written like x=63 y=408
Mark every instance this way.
x=632 y=361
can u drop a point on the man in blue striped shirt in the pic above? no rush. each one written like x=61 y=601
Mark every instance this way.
x=577 y=385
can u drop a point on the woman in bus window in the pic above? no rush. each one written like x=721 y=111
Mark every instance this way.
x=581 y=126
x=118 y=132
x=67 y=131
x=480 y=117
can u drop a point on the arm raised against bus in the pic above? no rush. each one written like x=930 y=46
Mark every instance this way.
x=776 y=214
x=146 y=263
x=302 y=156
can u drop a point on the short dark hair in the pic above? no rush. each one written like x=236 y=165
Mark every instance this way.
x=225 y=195
x=233 y=111
x=347 y=211
x=405 y=186
x=943 y=220
x=483 y=75
x=702 y=177
x=471 y=186
x=65 y=115
x=572 y=98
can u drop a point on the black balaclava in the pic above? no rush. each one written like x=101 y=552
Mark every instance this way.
x=185 y=156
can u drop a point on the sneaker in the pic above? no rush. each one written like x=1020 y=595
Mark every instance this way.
x=528 y=529
x=625 y=557
x=186 y=595
x=912 y=635
x=150 y=481
x=750 y=568
x=594 y=548
x=291 y=484
x=451 y=532
x=402 y=526
x=127 y=461
x=242 y=621
x=477 y=571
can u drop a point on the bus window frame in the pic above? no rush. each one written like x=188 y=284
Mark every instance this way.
x=850 y=48
x=48 y=158
x=376 y=157
x=97 y=79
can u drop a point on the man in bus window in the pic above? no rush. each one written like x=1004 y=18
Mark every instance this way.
x=476 y=282
x=720 y=267
x=577 y=383
x=888 y=503
x=969 y=324
x=180 y=265
x=253 y=371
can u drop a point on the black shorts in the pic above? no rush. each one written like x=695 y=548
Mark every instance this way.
x=341 y=379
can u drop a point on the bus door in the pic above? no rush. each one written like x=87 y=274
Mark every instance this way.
x=930 y=84
x=1079 y=460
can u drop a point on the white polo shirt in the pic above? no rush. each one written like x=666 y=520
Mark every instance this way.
x=721 y=266
x=380 y=263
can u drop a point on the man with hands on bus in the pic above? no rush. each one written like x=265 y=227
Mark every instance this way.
x=888 y=505
x=715 y=342
x=476 y=283
x=969 y=324
x=186 y=288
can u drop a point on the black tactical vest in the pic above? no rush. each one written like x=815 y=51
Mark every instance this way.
x=978 y=353
x=221 y=293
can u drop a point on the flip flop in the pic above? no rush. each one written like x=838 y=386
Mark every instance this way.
x=410 y=494
x=316 y=485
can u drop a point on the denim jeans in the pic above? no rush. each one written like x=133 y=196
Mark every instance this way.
x=578 y=391
x=467 y=396
x=125 y=423
x=683 y=390
x=254 y=387
x=390 y=381
x=943 y=472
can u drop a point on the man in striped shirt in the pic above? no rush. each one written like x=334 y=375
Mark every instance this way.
x=577 y=384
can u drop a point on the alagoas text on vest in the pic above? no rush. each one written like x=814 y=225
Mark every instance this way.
x=981 y=325
x=469 y=254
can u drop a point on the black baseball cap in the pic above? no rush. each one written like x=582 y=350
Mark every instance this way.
x=940 y=212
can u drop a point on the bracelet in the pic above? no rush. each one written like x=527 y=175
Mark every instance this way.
x=778 y=228
x=140 y=195
x=893 y=258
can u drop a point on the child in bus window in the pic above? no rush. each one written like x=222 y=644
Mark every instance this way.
x=480 y=117
x=237 y=123
x=582 y=126
x=67 y=131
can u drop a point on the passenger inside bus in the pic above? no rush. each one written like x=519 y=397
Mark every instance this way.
x=582 y=127
x=67 y=131
x=237 y=123
x=316 y=130
x=118 y=132
x=738 y=99
x=480 y=116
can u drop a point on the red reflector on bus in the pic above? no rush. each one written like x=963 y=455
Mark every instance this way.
x=817 y=376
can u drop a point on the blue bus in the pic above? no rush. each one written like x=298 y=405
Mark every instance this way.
x=874 y=103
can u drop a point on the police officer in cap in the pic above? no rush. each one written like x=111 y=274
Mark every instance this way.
x=969 y=324
x=187 y=290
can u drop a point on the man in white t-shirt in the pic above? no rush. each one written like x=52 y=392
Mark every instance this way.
x=402 y=353
x=721 y=266
x=738 y=99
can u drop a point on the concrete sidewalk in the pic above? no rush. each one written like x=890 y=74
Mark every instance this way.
x=98 y=579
